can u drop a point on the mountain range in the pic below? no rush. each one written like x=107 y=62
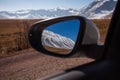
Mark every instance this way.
x=38 y=14
x=98 y=9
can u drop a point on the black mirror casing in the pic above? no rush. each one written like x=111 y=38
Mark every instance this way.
x=36 y=30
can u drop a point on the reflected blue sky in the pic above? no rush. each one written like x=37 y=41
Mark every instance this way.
x=69 y=28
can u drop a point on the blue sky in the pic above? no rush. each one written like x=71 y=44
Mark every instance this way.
x=13 y=5
x=67 y=29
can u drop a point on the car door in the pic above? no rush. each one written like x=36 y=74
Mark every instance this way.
x=106 y=68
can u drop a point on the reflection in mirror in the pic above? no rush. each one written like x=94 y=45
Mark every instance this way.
x=61 y=37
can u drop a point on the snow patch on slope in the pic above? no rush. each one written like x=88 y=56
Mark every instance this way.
x=52 y=39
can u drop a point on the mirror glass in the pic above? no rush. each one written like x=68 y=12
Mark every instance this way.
x=61 y=37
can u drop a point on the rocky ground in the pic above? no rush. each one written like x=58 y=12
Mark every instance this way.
x=32 y=65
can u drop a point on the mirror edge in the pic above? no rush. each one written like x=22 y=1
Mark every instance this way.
x=35 y=34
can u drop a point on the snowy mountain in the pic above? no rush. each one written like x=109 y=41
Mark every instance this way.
x=52 y=39
x=41 y=13
x=98 y=9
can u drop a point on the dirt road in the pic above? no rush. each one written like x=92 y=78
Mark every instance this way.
x=31 y=65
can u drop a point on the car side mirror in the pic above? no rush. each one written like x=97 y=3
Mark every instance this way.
x=62 y=36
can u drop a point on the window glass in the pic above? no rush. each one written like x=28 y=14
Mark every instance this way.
x=17 y=59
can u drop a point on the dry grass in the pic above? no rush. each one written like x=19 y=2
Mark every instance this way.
x=8 y=26
x=13 y=34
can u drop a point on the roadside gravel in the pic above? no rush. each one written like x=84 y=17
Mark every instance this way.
x=31 y=65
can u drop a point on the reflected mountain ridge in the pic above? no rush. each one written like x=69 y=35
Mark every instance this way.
x=52 y=39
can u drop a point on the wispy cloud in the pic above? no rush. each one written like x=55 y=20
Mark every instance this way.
x=12 y=5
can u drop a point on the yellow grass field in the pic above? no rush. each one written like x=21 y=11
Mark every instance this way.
x=8 y=26
x=13 y=33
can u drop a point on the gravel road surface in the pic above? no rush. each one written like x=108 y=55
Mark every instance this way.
x=32 y=65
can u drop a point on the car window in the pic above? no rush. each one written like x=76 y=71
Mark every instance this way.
x=17 y=59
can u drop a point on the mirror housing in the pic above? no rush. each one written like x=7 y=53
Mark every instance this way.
x=91 y=34
x=88 y=34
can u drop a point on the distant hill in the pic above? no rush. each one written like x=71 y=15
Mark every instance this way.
x=36 y=14
x=98 y=9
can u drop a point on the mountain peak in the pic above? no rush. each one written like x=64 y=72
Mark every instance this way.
x=99 y=8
